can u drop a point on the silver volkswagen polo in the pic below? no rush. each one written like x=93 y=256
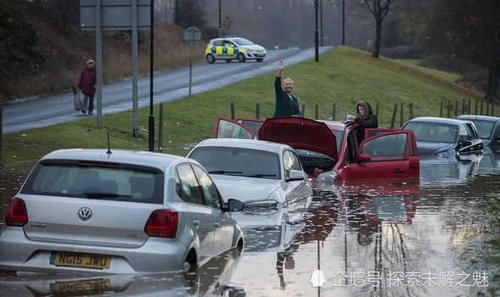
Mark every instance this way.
x=86 y=210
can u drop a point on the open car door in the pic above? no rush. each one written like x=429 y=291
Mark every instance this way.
x=386 y=155
x=252 y=124
x=228 y=128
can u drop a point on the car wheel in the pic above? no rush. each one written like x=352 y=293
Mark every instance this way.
x=190 y=265
x=210 y=58
x=241 y=58
x=260 y=60
x=228 y=60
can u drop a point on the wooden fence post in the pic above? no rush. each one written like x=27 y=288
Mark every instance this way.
x=1 y=136
x=448 y=109
x=394 y=113
x=492 y=114
x=232 y=111
x=410 y=111
x=481 y=110
x=316 y=112
x=456 y=108
x=441 y=109
x=401 y=114
x=476 y=109
x=334 y=111
x=487 y=107
x=160 y=129
x=303 y=110
x=257 y=110
x=469 y=110
x=463 y=106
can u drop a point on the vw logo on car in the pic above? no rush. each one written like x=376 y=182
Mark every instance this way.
x=85 y=214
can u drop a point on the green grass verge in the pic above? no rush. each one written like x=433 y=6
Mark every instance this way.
x=343 y=77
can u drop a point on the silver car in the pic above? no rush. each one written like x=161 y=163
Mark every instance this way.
x=86 y=210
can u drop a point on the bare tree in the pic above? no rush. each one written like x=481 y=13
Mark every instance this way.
x=379 y=9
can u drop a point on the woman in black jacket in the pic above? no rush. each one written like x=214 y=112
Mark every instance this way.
x=365 y=118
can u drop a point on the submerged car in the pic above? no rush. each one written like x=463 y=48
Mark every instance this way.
x=445 y=138
x=264 y=175
x=488 y=128
x=92 y=211
x=337 y=148
x=234 y=48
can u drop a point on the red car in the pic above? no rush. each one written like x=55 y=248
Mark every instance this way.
x=334 y=147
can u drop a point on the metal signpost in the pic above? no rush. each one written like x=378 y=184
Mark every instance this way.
x=126 y=15
x=191 y=35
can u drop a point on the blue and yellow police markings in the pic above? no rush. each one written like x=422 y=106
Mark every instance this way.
x=224 y=50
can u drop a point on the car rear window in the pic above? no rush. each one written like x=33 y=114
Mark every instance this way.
x=96 y=180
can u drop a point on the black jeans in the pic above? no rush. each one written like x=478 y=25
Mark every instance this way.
x=91 y=103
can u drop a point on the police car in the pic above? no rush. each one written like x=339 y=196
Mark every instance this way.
x=232 y=48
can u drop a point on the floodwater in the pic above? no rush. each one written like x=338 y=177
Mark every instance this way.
x=431 y=239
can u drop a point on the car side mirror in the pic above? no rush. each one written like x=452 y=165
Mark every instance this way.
x=233 y=205
x=295 y=175
x=364 y=158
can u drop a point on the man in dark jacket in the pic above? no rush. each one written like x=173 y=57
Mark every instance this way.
x=286 y=103
x=87 y=85
x=365 y=117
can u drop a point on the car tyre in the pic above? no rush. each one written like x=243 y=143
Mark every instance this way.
x=210 y=59
x=241 y=58
x=260 y=60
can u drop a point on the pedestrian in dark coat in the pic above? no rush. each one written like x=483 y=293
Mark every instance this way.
x=286 y=103
x=365 y=117
x=87 y=85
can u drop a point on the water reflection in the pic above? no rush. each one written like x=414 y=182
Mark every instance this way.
x=447 y=171
x=211 y=280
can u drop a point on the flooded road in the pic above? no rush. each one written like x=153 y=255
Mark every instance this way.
x=439 y=238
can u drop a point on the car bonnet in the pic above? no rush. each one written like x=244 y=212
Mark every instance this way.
x=300 y=133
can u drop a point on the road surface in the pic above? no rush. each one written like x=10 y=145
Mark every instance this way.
x=168 y=86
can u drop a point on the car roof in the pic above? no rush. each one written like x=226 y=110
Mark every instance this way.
x=479 y=117
x=245 y=143
x=144 y=158
x=437 y=120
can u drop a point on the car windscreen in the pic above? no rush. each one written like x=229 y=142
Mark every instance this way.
x=485 y=128
x=433 y=132
x=242 y=41
x=96 y=180
x=238 y=161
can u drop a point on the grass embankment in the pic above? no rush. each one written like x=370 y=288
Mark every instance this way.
x=343 y=76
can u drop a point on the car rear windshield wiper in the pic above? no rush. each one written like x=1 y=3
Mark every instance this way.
x=104 y=195
x=229 y=172
x=261 y=175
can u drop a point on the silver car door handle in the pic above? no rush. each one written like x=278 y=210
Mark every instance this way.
x=196 y=223
x=216 y=225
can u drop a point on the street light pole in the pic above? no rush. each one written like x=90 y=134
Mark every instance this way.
x=343 y=22
x=321 y=20
x=151 y=70
x=316 y=33
x=220 y=18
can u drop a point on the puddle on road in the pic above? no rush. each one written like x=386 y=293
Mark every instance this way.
x=437 y=239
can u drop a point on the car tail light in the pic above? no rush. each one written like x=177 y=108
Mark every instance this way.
x=162 y=223
x=16 y=213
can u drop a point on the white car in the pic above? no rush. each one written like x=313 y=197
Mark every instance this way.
x=264 y=175
x=92 y=211
x=233 y=48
